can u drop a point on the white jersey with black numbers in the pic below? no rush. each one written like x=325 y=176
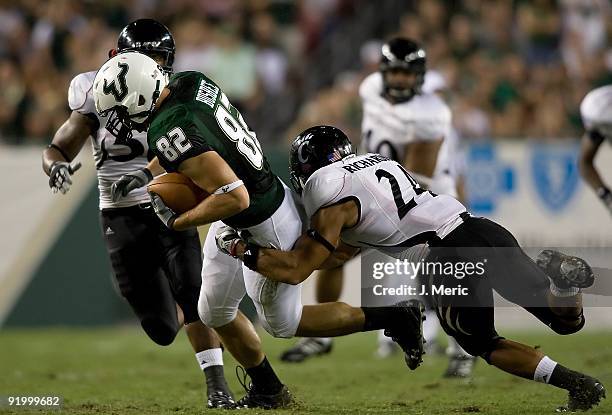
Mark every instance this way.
x=114 y=155
x=387 y=128
x=596 y=111
x=394 y=212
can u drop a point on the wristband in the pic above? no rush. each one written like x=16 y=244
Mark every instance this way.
x=251 y=252
x=59 y=150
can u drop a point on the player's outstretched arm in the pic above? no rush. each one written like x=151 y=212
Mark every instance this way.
x=421 y=158
x=311 y=250
x=228 y=195
x=65 y=146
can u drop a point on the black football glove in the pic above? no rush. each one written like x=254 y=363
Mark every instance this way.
x=129 y=182
x=59 y=176
x=164 y=213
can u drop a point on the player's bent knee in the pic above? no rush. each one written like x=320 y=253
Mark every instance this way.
x=217 y=316
x=480 y=347
x=159 y=331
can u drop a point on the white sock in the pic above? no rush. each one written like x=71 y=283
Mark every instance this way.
x=563 y=292
x=544 y=370
x=431 y=325
x=210 y=357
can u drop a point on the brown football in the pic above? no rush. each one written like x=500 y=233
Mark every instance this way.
x=177 y=191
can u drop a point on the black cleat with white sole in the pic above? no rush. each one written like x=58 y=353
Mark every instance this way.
x=257 y=398
x=406 y=329
x=220 y=399
x=565 y=271
x=585 y=395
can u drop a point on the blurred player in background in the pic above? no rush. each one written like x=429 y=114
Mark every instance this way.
x=403 y=119
x=195 y=130
x=372 y=202
x=157 y=269
x=596 y=111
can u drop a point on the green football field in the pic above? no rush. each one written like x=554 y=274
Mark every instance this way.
x=119 y=371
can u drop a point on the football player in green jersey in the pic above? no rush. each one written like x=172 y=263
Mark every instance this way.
x=194 y=129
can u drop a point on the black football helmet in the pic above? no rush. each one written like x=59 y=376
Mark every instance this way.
x=403 y=54
x=150 y=37
x=314 y=148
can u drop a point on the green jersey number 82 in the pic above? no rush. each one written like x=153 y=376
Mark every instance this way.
x=236 y=130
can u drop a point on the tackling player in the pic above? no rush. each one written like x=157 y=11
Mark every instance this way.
x=596 y=111
x=194 y=129
x=370 y=201
x=410 y=124
x=156 y=268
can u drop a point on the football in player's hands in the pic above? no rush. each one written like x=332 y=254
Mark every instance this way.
x=177 y=191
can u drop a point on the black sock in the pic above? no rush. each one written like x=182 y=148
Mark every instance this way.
x=215 y=379
x=264 y=379
x=375 y=318
x=565 y=378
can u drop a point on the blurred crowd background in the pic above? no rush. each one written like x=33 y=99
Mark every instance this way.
x=512 y=68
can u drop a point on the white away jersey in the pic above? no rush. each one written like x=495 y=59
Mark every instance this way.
x=386 y=128
x=114 y=155
x=596 y=111
x=395 y=213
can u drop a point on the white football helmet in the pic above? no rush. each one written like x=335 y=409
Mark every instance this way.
x=129 y=83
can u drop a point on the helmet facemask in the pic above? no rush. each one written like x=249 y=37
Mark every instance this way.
x=405 y=56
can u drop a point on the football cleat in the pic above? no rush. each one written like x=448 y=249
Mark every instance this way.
x=585 y=396
x=256 y=399
x=406 y=329
x=564 y=270
x=220 y=399
x=460 y=366
x=305 y=348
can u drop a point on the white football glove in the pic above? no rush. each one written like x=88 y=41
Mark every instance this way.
x=164 y=213
x=129 y=182
x=227 y=239
x=59 y=176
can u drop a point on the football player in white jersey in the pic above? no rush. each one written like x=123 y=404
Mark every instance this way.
x=596 y=112
x=369 y=201
x=221 y=155
x=156 y=268
x=406 y=121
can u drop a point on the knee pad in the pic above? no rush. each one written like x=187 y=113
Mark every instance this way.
x=216 y=316
x=280 y=327
x=159 y=331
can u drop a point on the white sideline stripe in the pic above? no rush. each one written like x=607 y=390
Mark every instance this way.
x=16 y=274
